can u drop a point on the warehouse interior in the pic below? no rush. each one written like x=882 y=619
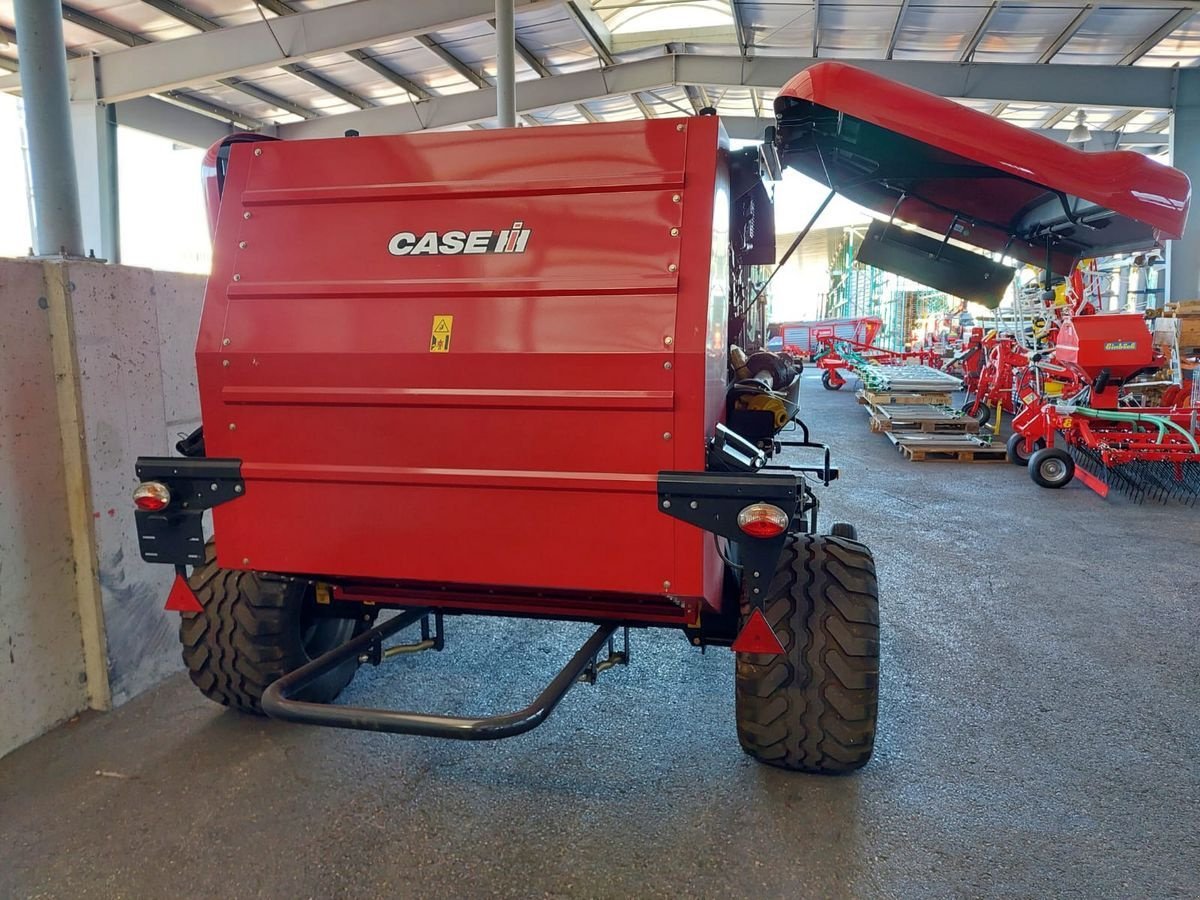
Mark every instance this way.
x=504 y=341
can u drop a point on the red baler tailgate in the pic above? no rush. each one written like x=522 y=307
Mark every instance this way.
x=495 y=417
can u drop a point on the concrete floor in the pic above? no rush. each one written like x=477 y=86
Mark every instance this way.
x=1039 y=736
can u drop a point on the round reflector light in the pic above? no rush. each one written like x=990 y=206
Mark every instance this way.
x=151 y=496
x=763 y=520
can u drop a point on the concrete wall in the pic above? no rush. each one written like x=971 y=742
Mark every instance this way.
x=42 y=677
x=134 y=332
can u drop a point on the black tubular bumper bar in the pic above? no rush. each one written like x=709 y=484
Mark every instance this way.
x=277 y=704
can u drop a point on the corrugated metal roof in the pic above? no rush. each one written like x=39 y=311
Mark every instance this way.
x=461 y=59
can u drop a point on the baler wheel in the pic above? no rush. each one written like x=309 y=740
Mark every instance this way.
x=254 y=630
x=1051 y=467
x=1016 y=449
x=844 y=530
x=828 y=383
x=813 y=708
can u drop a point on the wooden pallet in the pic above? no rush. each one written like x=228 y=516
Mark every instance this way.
x=913 y=417
x=957 y=448
x=871 y=398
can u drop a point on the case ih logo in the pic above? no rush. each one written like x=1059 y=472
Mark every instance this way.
x=448 y=243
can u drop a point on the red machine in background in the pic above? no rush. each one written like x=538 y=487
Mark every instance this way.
x=806 y=339
x=838 y=355
x=1142 y=451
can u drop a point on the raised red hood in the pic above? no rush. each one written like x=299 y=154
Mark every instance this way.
x=893 y=148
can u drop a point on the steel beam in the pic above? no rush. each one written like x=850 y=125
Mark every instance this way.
x=1141 y=87
x=184 y=62
x=977 y=37
x=739 y=28
x=202 y=23
x=48 y=124
x=451 y=60
x=102 y=27
x=593 y=29
x=414 y=90
x=1067 y=33
x=897 y=28
x=1183 y=264
x=1153 y=40
x=816 y=29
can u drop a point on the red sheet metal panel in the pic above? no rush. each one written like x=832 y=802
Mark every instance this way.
x=464 y=357
x=1125 y=182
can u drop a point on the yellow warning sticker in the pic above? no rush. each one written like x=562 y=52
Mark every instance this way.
x=439 y=340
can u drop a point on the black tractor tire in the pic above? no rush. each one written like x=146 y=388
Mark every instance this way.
x=983 y=415
x=253 y=631
x=1051 y=467
x=827 y=381
x=813 y=708
x=1016 y=449
x=844 y=530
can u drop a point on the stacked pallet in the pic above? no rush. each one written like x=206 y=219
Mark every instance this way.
x=912 y=406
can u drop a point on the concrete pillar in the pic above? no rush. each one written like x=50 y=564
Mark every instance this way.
x=1183 y=260
x=506 y=98
x=48 y=123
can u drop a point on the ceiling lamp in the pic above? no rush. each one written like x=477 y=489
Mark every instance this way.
x=1080 y=134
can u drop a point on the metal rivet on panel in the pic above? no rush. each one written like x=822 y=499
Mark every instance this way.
x=225 y=363
x=694 y=505
x=666 y=585
x=666 y=435
x=667 y=365
x=672 y=268
x=226 y=342
x=232 y=426
x=258 y=151
x=245 y=560
x=679 y=128
x=246 y=214
x=237 y=277
x=666 y=504
x=254 y=362
x=674 y=233
x=237 y=488
x=668 y=340
x=241 y=245
x=675 y=198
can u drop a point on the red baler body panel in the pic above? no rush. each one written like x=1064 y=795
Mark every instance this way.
x=578 y=366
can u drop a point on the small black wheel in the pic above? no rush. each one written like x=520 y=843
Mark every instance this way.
x=982 y=415
x=1016 y=449
x=1051 y=467
x=827 y=381
x=254 y=630
x=844 y=530
x=813 y=707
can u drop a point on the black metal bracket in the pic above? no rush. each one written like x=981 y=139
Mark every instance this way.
x=277 y=700
x=175 y=535
x=712 y=500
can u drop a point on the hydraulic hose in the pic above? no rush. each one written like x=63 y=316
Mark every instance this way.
x=1161 y=422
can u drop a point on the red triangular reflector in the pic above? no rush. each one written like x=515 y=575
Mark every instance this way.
x=181 y=598
x=757 y=637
